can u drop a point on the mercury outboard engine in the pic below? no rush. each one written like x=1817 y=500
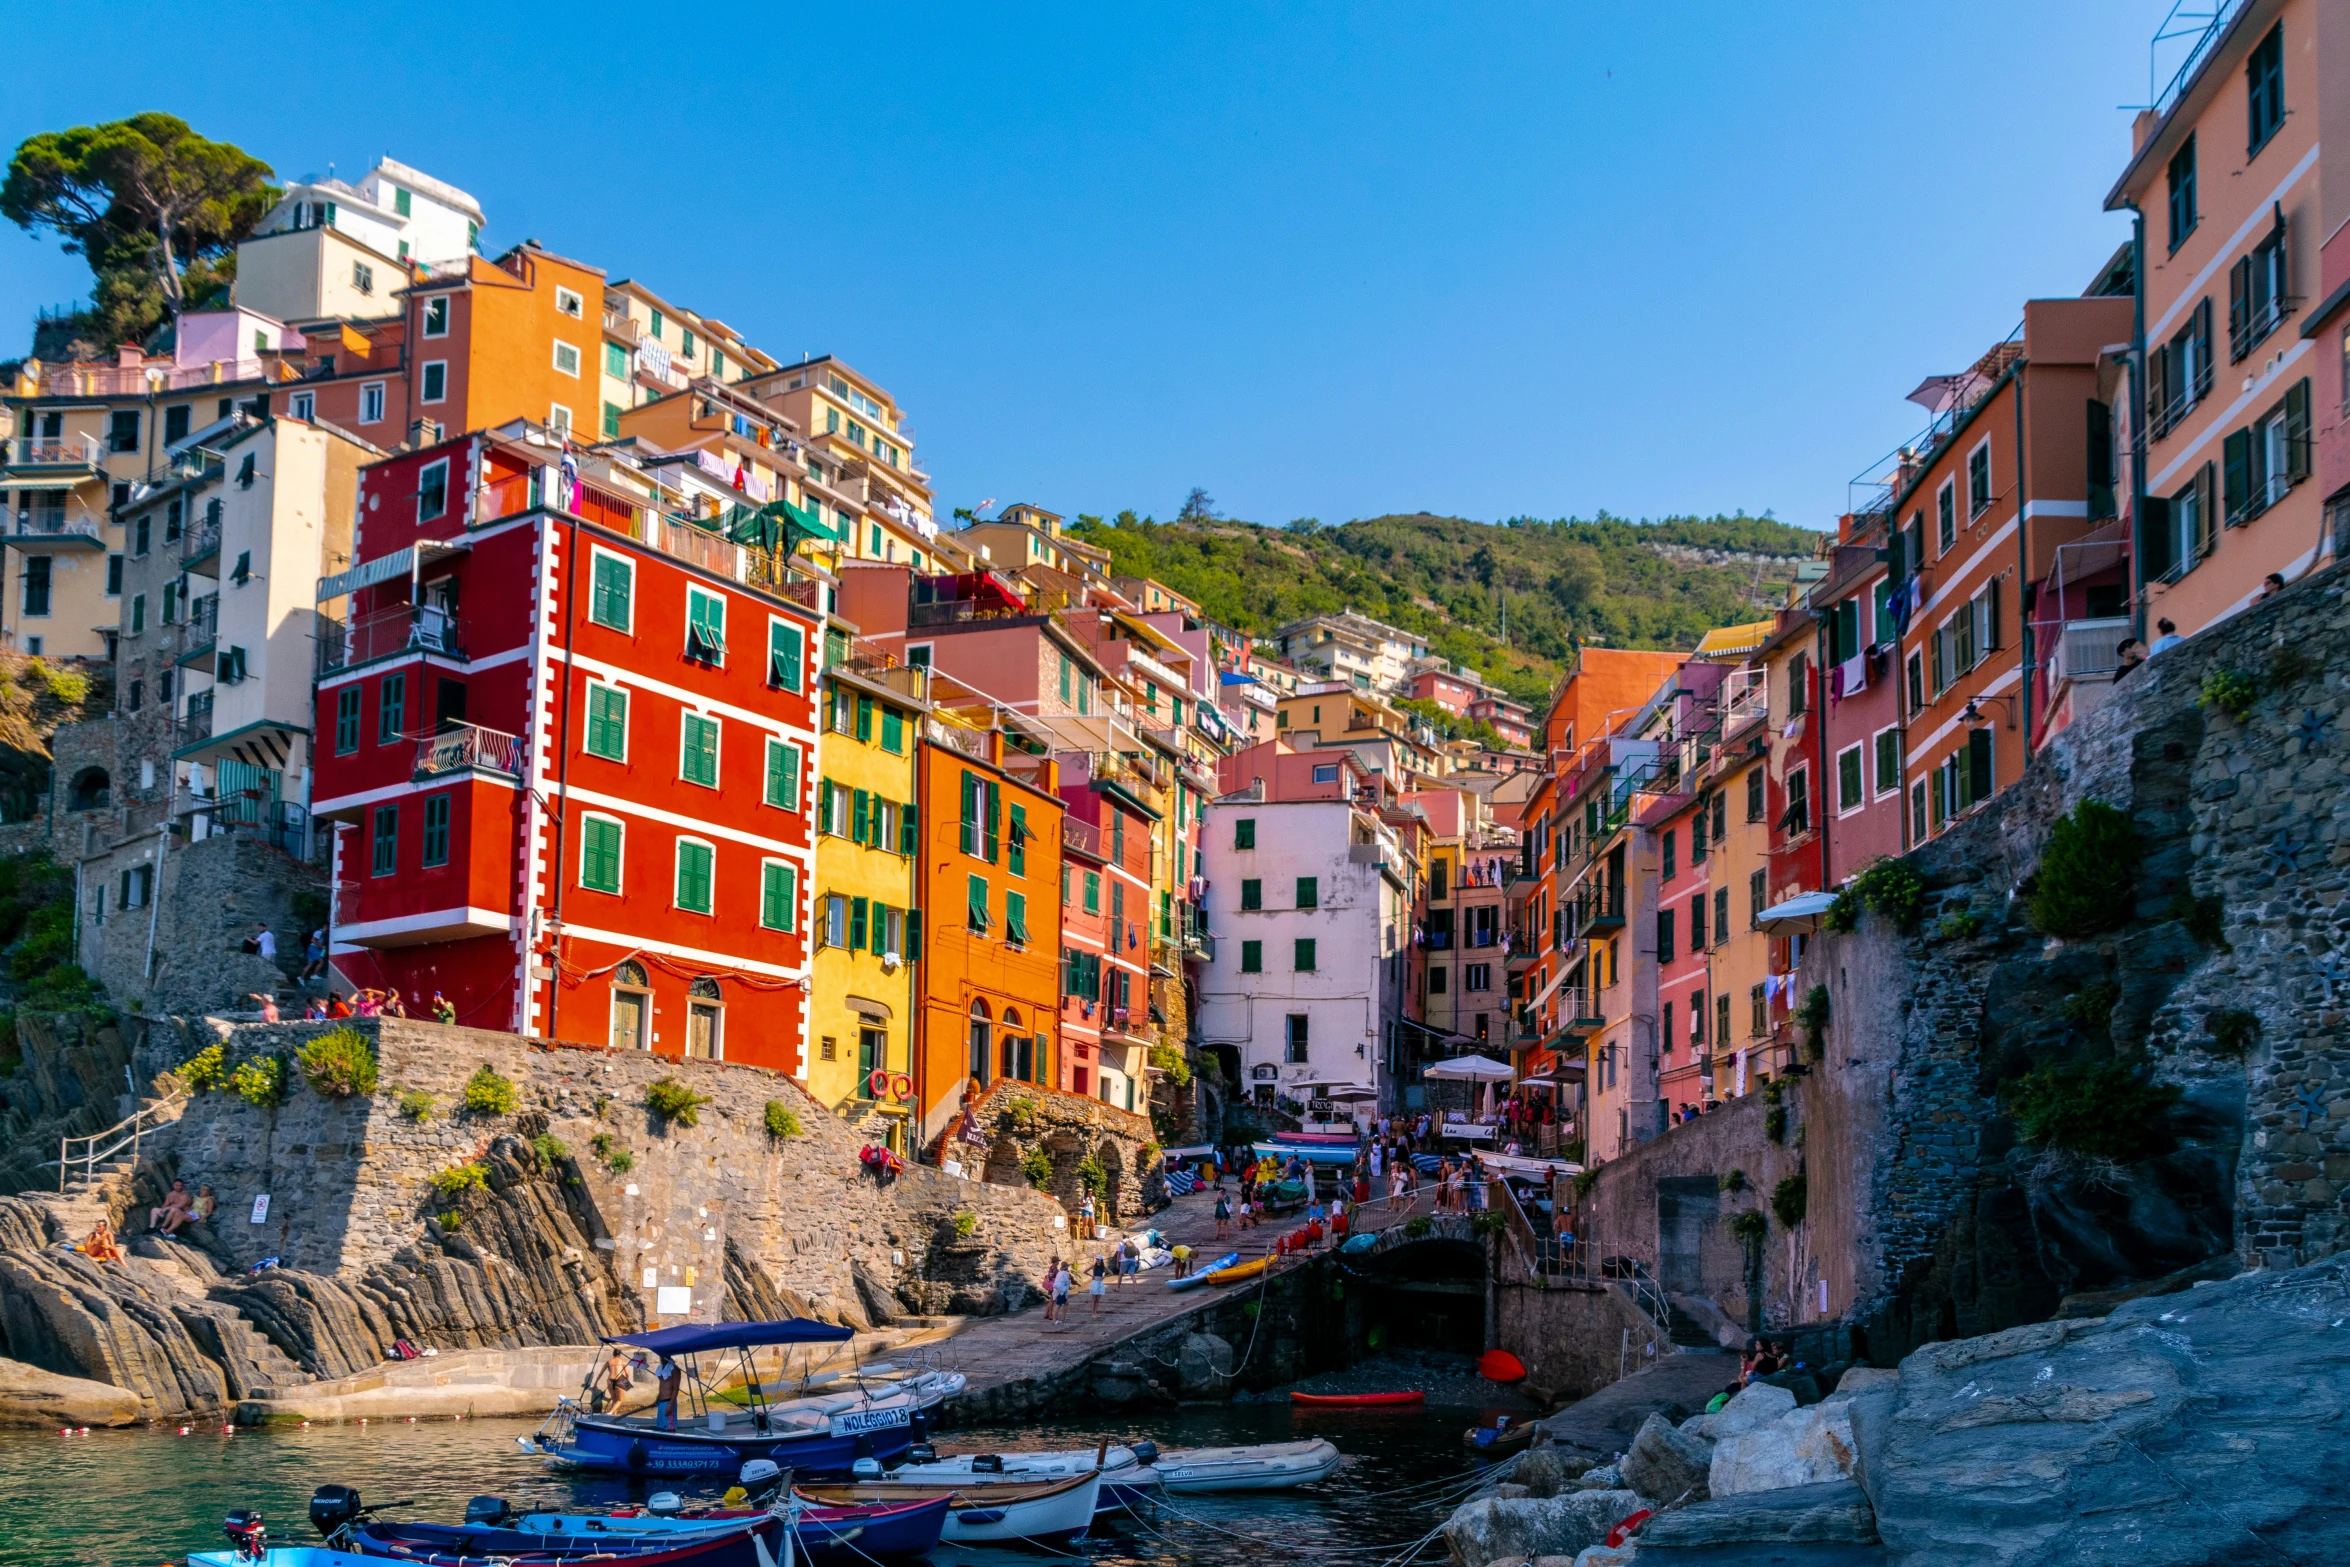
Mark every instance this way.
x=921 y=1453
x=664 y=1504
x=987 y=1463
x=491 y=1512
x=334 y=1509
x=1146 y=1452
x=759 y=1472
x=246 y=1534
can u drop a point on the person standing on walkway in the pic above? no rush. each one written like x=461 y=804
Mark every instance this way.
x=1100 y=1285
x=1223 y=1213
x=1052 y=1281
x=1085 y=1216
x=665 y=1395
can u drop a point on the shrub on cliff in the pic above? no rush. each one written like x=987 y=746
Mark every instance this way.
x=2088 y=875
x=673 y=1102
x=1789 y=1199
x=2100 y=1110
x=782 y=1120
x=1037 y=1165
x=551 y=1150
x=453 y=1184
x=1171 y=1060
x=338 y=1064
x=416 y=1105
x=1749 y=1225
x=1092 y=1176
x=486 y=1093
x=204 y=1071
x=610 y=1154
x=260 y=1082
x=2232 y=691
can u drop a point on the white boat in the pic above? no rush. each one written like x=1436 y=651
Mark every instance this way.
x=985 y=1512
x=1266 y=1466
x=966 y=1468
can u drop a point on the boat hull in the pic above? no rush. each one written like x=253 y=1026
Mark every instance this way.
x=991 y=1514
x=1195 y=1280
x=1269 y=1466
x=744 y=1543
x=884 y=1531
x=1359 y=1400
x=608 y=1446
x=1240 y=1272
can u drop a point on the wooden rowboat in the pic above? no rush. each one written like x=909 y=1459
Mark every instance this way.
x=1413 y=1396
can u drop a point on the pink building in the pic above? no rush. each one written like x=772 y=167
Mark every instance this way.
x=1861 y=741
x=1448 y=691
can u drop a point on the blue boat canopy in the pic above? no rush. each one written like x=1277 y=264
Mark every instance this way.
x=689 y=1337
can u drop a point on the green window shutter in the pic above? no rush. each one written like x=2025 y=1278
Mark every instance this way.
x=705 y=634
x=880 y=928
x=994 y=821
x=860 y=815
x=913 y=935
x=977 y=907
x=909 y=829
x=693 y=877
x=1305 y=954
x=893 y=731
x=1252 y=957
x=778 y=896
x=865 y=720
x=824 y=805
x=785 y=651
x=859 y=912
x=2236 y=471
x=1978 y=761
x=616 y=361
x=1252 y=894
x=1064 y=680
x=599 y=855
x=1244 y=833
x=2297 y=430
x=1309 y=892
x=608 y=602
x=1093 y=892
x=971 y=813
x=1016 y=917
x=783 y=775
x=608 y=722
x=698 y=755
x=1017 y=855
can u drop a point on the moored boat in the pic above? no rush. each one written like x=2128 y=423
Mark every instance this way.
x=882 y=1530
x=1240 y=1272
x=1199 y=1276
x=1263 y=1466
x=1047 y=1511
x=1338 y=1400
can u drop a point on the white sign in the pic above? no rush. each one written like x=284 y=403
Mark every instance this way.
x=672 y=1300
x=261 y=1209
x=652 y=1277
x=862 y=1420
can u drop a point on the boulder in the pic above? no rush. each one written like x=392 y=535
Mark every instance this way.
x=1483 y=1532
x=1510 y=1492
x=1203 y=1366
x=1546 y=1471
x=1605 y=1477
x=1607 y=1556
x=1753 y=1408
x=1835 y=1512
x=2182 y=1428
x=1805 y=1447
x=30 y=1396
x=1866 y=1379
x=1666 y=1464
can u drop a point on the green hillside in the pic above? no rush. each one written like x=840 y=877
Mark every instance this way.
x=1617 y=583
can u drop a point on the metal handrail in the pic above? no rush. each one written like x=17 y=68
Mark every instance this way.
x=92 y=1155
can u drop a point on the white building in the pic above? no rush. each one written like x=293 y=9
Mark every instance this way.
x=1367 y=654
x=330 y=250
x=1310 y=904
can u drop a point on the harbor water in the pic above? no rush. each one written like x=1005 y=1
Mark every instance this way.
x=144 y=1498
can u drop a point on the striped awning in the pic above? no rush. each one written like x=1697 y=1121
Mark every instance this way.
x=400 y=563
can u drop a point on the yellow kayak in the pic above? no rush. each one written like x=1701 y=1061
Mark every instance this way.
x=1240 y=1271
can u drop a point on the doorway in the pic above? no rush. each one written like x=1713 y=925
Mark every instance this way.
x=705 y=1021
x=632 y=1008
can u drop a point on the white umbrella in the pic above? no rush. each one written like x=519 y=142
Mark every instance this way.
x=1469 y=1069
x=1798 y=913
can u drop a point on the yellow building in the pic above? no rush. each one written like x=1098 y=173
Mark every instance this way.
x=862 y=998
x=1386 y=739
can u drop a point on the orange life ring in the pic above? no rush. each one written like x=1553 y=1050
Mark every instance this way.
x=877 y=1084
x=901 y=1086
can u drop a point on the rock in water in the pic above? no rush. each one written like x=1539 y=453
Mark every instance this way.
x=1836 y=1513
x=30 y=1396
x=1203 y=1366
x=2184 y=1428
x=1483 y=1532
x=1805 y=1447
x=1666 y=1464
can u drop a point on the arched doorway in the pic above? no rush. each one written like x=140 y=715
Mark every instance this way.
x=632 y=1007
x=981 y=1037
x=91 y=790
x=705 y=1018
x=1016 y=1050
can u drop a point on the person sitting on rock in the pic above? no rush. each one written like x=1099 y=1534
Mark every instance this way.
x=174 y=1211
x=205 y=1206
x=100 y=1247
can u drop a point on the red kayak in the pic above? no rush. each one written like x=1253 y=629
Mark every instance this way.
x=1358 y=1398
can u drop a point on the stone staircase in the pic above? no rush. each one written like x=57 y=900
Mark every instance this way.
x=102 y=1189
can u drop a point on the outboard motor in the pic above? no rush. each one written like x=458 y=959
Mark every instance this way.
x=246 y=1534
x=921 y=1453
x=490 y=1512
x=334 y=1510
x=1146 y=1452
x=987 y=1464
x=866 y=1468
x=664 y=1504
x=759 y=1472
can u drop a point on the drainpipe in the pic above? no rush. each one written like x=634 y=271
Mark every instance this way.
x=2023 y=563
x=155 y=897
x=562 y=794
x=2137 y=369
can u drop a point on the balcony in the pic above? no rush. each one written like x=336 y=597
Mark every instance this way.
x=1083 y=838
x=2088 y=650
x=47 y=527
x=201 y=542
x=196 y=727
x=404 y=628
x=69 y=455
x=1599 y=912
x=2264 y=318
x=867 y=661
x=469 y=748
x=1116 y=771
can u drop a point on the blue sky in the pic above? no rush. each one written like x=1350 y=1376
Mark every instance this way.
x=1323 y=260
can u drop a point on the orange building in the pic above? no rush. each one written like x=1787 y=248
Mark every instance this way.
x=1609 y=685
x=989 y=884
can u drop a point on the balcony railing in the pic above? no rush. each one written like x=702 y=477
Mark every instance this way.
x=196 y=727
x=869 y=661
x=461 y=746
x=69 y=451
x=202 y=537
x=1600 y=907
x=49 y=522
x=203 y=621
x=2248 y=334
x=104 y=380
x=2088 y=649
x=1083 y=837
x=402 y=628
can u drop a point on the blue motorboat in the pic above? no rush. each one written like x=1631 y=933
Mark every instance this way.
x=706 y=1434
x=353 y=1538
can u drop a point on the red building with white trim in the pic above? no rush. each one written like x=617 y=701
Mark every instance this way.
x=567 y=737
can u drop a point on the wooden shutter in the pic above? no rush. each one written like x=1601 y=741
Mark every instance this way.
x=2158 y=393
x=785 y=650
x=2297 y=430
x=2239 y=307
x=2236 y=482
x=994 y=824
x=913 y=935
x=2206 y=508
x=1990 y=637
x=909 y=829
x=2202 y=318
x=970 y=840
x=861 y=817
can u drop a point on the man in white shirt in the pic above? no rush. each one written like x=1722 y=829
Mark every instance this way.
x=2168 y=637
x=265 y=943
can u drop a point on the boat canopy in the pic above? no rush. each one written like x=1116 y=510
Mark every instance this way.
x=689 y=1337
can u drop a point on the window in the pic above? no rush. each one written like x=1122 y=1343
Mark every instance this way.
x=607 y=721
x=1697 y=923
x=1946 y=517
x=611 y=592
x=36 y=589
x=436 y=316
x=2259 y=291
x=1797 y=820
x=1757 y=898
x=435 y=386
x=1326 y=772
x=122 y=430
x=1850 y=794
x=401 y=203
x=436 y=829
x=705 y=627
x=976 y=909
x=1917 y=682
x=432 y=490
x=347 y=720
x=566 y=358
x=387 y=840
x=2264 y=90
x=1670 y=843
x=1016 y=842
x=1476 y=976
x=893 y=731
x=371 y=402
x=302 y=406
x=138 y=613
x=1302 y=957
x=2260 y=463
x=1888 y=761
x=1309 y=892
x=391 y=712
x=599 y=854
x=1721 y=915
x=2182 y=193
x=1252 y=894
x=567 y=301
x=175 y=423
x=1436 y=979
x=1296 y=1046
x=695 y=864
x=1754 y=794
x=1978 y=480
x=1016 y=918
x=783 y=775
x=1664 y=935
x=835 y=920
x=1244 y=832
